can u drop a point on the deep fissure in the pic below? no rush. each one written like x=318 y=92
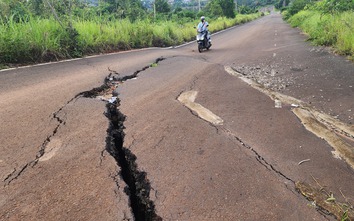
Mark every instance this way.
x=138 y=186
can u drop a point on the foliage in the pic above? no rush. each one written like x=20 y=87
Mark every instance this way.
x=258 y=3
x=14 y=10
x=228 y=7
x=323 y=6
x=333 y=6
x=218 y=8
x=327 y=22
x=252 y=6
x=296 y=6
x=46 y=30
x=177 y=4
x=42 y=39
x=162 y=6
x=70 y=42
x=223 y=22
x=244 y=9
x=35 y=40
x=213 y=8
x=282 y=4
x=326 y=29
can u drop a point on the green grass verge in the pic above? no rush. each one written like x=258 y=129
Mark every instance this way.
x=335 y=30
x=26 y=42
x=41 y=40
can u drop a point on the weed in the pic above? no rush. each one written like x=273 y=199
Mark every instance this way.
x=335 y=30
x=325 y=201
x=38 y=39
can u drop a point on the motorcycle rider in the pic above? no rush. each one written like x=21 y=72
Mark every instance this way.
x=203 y=27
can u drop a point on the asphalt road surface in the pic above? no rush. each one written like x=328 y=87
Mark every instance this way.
x=260 y=127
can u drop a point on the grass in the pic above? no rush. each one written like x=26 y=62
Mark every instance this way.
x=40 y=40
x=26 y=42
x=335 y=30
x=325 y=201
x=118 y=35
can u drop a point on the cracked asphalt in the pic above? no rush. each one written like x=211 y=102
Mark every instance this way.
x=54 y=161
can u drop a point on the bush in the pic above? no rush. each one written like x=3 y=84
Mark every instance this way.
x=326 y=29
x=70 y=42
x=333 y=6
x=36 y=40
x=297 y=5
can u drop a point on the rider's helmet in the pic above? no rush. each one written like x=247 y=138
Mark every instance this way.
x=202 y=18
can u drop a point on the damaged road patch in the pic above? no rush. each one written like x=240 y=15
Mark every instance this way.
x=187 y=99
x=339 y=144
x=336 y=133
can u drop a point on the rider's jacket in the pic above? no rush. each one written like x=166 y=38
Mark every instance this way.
x=203 y=26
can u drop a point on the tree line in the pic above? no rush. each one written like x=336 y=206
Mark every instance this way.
x=324 y=6
x=22 y=10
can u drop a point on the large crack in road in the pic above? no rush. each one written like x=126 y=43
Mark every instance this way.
x=138 y=186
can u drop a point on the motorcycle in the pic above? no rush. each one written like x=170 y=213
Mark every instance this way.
x=203 y=40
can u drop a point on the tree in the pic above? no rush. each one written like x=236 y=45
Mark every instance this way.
x=177 y=4
x=132 y=9
x=37 y=7
x=253 y=4
x=217 y=8
x=281 y=4
x=297 y=5
x=228 y=7
x=214 y=9
x=162 y=6
x=332 y=6
x=14 y=9
x=244 y=9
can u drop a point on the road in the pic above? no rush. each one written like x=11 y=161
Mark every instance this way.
x=257 y=128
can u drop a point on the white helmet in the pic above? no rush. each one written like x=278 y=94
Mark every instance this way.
x=202 y=18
